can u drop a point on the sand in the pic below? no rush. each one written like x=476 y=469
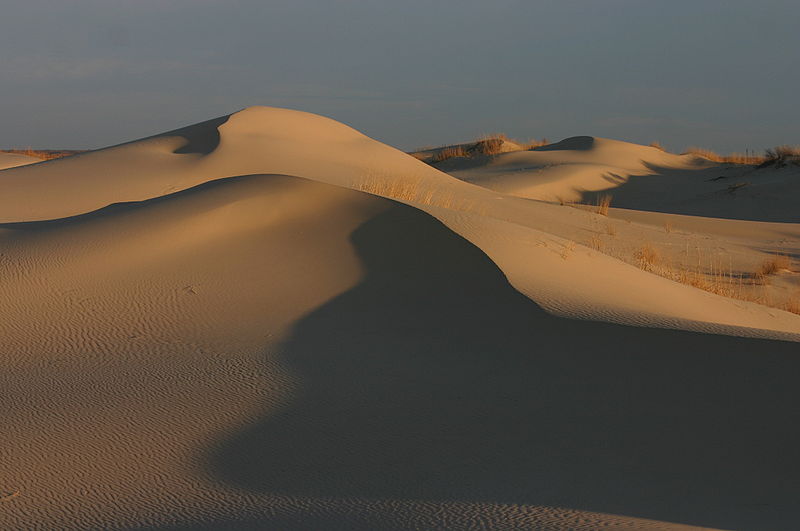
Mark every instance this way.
x=13 y=160
x=271 y=321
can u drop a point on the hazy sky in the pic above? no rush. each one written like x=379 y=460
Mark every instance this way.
x=723 y=74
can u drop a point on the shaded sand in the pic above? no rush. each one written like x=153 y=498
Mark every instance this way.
x=195 y=341
x=670 y=203
x=279 y=141
x=639 y=177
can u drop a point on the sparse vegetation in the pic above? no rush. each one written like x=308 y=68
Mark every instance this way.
x=603 y=204
x=449 y=153
x=647 y=256
x=714 y=274
x=596 y=243
x=773 y=265
x=667 y=227
x=44 y=154
x=485 y=146
x=733 y=158
x=533 y=143
x=792 y=304
x=657 y=145
x=412 y=190
x=567 y=250
x=780 y=155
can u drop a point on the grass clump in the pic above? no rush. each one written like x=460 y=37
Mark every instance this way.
x=779 y=156
x=44 y=154
x=449 y=153
x=603 y=204
x=773 y=265
x=733 y=158
x=647 y=257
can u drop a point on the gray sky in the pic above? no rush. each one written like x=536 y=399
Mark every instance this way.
x=723 y=74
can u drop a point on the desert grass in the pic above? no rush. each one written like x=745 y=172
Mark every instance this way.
x=534 y=143
x=667 y=227
x=714 y=274
x=647 y=256
x=611 y=229
x=733 y=158
x=44 y=154
x=603 y=204
x=780 y=155
x=412 y=189
x=485 y=146
x=568 y=249
x=792 y=304
x=657 y=145
x=773 y=265
x=449 y=153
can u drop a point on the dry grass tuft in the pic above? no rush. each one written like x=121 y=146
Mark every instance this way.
x=611 y=230
x=773 y=265
x=603 y=204
x=449 y=153
x=667 y=227
x=792 y=304
x=533 y=143
x=413 y=190
x=647 y=257
x=487 y=146
x=596 y=243
x=44 y=154
x=733 y=158
x=780 y=155
x=567 y=250
x=657 y=145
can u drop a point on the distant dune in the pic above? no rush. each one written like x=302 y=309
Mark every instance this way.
x=271 y=321
x=12 y=160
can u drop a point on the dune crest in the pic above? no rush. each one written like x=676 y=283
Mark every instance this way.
x=268 y=319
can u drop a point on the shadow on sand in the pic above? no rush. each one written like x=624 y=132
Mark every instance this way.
x=433 y=379
x=729 y=192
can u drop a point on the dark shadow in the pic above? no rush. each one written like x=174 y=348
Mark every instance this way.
x=579 y=143
x=435 y=380
x=732 y=191
x=128 y=206
x=202 y=138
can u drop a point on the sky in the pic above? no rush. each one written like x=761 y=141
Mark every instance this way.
x=721 y=74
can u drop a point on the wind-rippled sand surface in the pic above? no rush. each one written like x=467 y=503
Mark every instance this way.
x=234 y=325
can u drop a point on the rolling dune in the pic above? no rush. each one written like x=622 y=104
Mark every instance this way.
x=269 y=320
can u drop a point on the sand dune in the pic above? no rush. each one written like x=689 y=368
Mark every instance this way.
x=639 y=177
x=227 y=326
x=12 y=160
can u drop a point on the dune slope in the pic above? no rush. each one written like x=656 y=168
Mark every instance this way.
x=13 y=160
x=638 y=177
x=209 y=328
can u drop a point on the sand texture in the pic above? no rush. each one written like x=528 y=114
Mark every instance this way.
x=271 y=321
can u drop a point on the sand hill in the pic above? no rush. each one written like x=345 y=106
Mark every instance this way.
x=271 y=321
x=12 y=160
